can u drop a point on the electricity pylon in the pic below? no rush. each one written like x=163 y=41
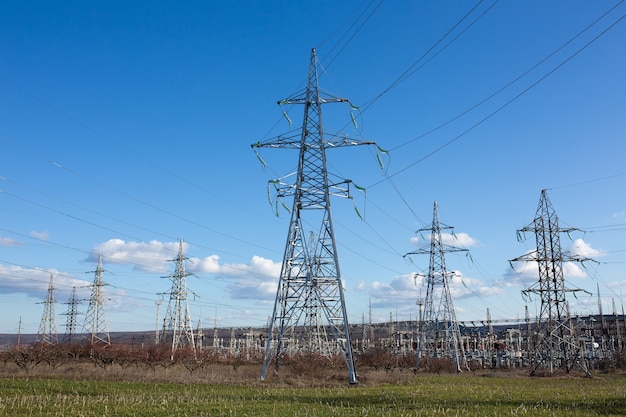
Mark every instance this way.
x=72 y=314
x=95 y=326
x=310 y=285
x=440 y=335
x=554 y=339
x=177 y=328
x=47 y=333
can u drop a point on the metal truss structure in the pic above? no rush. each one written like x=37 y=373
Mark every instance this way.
x=310 y=292
x=47 y=333
x=554 y=342
x=72 y=314
x=439 y=333
x=95 y=326
x=177 y=328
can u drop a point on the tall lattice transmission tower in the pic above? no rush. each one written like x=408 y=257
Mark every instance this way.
x=71 y=324
x=439 y=334
x=95 y=326
x=47 y=333
x=310 y=292
x=177 y=328
x=554 y=343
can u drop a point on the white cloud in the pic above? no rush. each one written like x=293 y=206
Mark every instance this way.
x=581 y=248
x=521 y=274
x=258 y=279
x=461 y=240
x=619 y=215
x=8 y=242
x=209 y=264
x=34 y=282
x=403 y=289
x=573 y=270
x=40 y=235
x=407 y=289
x=153 y=256
x=527 y=273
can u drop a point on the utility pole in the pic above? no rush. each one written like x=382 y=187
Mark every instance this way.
x=555 y=341
x=604 y=328
x=199 y=334
x=310 y=289
x=440 y=333
x=371 y=335
x=618 y=333
x=95 y=320
x=177 y=323
x=530 y=347
x=19 y=332
x=158 y=313
x=216 y=341
x=72 y=314
x=47 y=333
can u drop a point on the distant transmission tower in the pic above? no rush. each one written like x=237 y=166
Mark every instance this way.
x=72 y=314
x=310 y=292
x=177 y=328
x=440 y=335
x=95 y=326
x=554 y=339
x=47 y=333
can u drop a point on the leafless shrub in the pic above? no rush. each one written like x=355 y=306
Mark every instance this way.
x=25 y=357
x=158 y=355
x=377 y=358
x=102 y=356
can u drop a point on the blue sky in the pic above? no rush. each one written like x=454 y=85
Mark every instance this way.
x=125 y=127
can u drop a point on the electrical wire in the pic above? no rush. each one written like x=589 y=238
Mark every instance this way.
x=506 y=104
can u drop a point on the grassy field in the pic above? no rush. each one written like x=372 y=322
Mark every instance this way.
x=422 y=395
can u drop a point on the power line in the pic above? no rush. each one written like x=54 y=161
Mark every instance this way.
x=411 y=69
x=493 y=113
x=510 y=83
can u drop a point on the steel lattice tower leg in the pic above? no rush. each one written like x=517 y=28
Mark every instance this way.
x=310 y=292
x=440 y=335
x=95 y=320
x=177 y=328
x=554 y=339
x=47 y=333
x=72 y=314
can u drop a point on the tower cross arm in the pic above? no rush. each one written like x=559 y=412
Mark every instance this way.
x=342 y=141
x=428 y=250
x=530 y=256
x=307 y=100
x=282 y=141
x=295 y=142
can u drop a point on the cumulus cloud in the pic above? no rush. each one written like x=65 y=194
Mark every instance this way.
x=581 y=248
x=40 y=235
x=527 y=273
x=153 y=256
x=34 y=282
x=8 y=242
x=461 y=240
x=256 y=279
x=407 y=289
x=360 y=286
x=402 y=289
x=207 y=265
x=619 y=216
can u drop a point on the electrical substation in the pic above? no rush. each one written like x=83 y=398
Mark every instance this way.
x=309 y=313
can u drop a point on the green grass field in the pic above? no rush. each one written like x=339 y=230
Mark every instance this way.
x=425 y=395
